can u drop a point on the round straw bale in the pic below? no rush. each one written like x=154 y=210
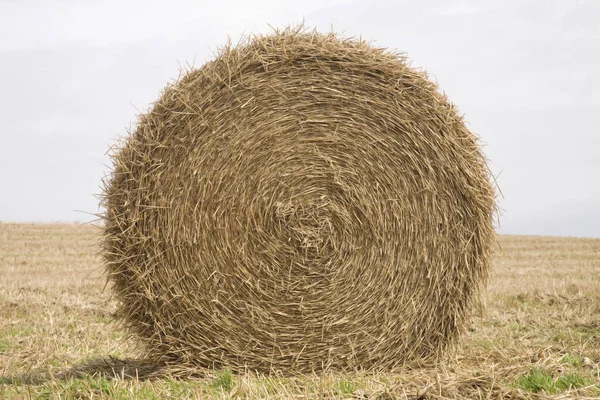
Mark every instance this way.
x=302 y=202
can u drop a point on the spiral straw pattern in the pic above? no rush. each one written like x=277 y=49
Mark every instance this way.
x=301 y=203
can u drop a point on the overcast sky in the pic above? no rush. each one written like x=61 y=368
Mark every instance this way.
x=526 y=74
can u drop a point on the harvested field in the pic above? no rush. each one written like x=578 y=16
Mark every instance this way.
x=538 y=336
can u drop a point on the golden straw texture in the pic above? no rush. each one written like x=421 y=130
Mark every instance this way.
x=303 y=202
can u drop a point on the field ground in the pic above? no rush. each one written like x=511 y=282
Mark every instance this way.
x=538 y=336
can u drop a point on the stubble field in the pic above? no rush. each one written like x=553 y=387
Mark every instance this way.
x=538 y=335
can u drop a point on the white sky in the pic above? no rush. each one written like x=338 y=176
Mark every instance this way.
x=526 y=74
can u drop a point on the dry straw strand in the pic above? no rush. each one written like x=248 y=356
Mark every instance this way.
x=301 y=203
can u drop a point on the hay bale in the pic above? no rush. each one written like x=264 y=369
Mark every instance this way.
x=303 y=202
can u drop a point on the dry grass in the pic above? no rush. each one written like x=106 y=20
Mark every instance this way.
x=303 y=202
x=538 y=335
